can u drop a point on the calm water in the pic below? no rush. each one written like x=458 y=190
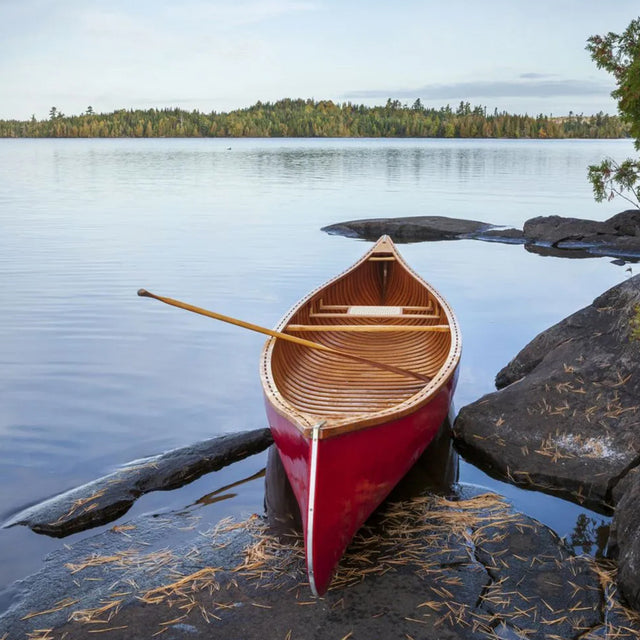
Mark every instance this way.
x=91 y=376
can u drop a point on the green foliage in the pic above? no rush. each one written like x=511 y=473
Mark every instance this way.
x=610 y=179
x=619 y=54
x=310 y=119
x=635 y=323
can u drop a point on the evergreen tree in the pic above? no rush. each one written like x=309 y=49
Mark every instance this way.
x=619 y=54
x=309 y=118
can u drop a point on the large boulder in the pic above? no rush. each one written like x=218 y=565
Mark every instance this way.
x=554 y=229
x=618 y=234
x=624 y=542
x=566 y=419
x=626 y=223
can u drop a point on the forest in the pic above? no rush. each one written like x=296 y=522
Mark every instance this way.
x=317 y=119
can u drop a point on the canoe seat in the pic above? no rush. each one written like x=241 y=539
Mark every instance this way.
x=374 y=311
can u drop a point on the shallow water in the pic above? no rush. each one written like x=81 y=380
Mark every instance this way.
x=92 y=376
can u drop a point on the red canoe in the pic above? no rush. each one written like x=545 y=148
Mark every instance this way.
x=352 y=415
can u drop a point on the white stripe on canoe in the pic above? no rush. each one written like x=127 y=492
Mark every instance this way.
x=312 y=499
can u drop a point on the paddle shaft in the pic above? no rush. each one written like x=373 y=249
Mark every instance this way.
x=284 y=336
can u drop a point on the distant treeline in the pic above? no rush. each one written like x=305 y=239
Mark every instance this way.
x=317 y=119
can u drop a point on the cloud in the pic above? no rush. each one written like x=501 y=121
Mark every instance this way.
x=205 y=14
x=529 y=85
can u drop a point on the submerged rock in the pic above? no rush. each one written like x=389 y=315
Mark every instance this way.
x=110 y=497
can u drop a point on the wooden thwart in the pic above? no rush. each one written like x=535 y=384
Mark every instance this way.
x=375 y=314
x=367 y=327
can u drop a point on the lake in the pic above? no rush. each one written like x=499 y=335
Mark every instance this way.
x=92 y=377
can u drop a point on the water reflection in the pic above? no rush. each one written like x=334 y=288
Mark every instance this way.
x=91 y=379
x=551 y=251
x=400 y=162
x=556 y=252
x=590 y=536
x=436 y=471
x=281 y=508
x=223 y=493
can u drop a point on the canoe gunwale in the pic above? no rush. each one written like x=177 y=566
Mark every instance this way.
x=353 y=422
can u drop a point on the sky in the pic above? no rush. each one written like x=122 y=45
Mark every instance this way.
x=520 y=56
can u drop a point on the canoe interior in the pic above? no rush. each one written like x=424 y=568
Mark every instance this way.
x=362 y=312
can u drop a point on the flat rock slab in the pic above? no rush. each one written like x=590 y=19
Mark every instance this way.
x=429 y=568
x=410 y=229
x=109 y=497
x=566 y=417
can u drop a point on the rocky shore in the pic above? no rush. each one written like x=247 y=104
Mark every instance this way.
x=619 y=236
x=457 y=566
x=566 y=419
x=449 y=562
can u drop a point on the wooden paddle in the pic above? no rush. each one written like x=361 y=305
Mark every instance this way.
x=284 y=336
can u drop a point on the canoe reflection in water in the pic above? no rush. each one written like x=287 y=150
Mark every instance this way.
x=436 y=471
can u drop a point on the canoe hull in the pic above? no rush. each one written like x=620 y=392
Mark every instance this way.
x=354 y=408
x=345 y=479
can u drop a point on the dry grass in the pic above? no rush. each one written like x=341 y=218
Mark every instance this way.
x=198 y=581
x=123 y=528
x=413 y=532
x=414 y=535
x=634 y=324
x=127 y=559
x=627 y=621
x=102 y=614
x=40 y=634
x=609 y=402
x=59 y=606
x=83 y=504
